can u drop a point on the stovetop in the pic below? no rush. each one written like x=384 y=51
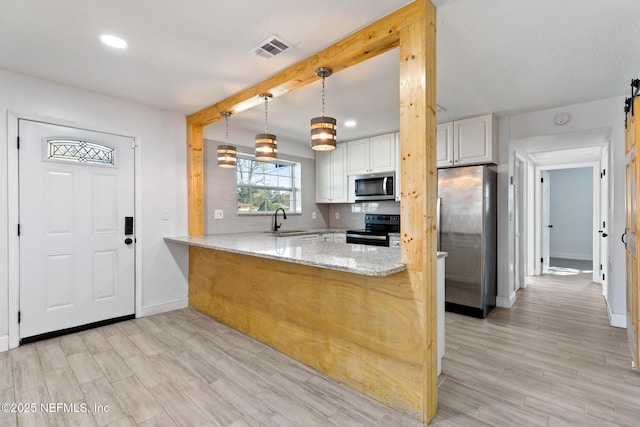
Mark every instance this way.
x=379 y=225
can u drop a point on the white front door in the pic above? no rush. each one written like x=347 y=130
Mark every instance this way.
x=546 y=224
x=76 y=188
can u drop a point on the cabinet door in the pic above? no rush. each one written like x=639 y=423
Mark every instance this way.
x=323 y=176
x=358 y=156
x=473 y=140
x=444 y=141
x=327 y=237
x=382 y=153
x=339 y=174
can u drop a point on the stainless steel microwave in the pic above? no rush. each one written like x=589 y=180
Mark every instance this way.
x=379 y=186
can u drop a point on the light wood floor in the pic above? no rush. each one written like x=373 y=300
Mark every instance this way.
x=552 y=360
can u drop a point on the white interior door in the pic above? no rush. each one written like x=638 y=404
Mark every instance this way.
x=546 y=224
x=519 y=232
x=76 y=188
x=604 y=219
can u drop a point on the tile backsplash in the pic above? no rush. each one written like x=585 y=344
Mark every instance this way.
x=351 y=215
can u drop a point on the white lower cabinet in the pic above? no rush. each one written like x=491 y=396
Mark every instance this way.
x=337 y=236
x=315 y=237
x=394 y=240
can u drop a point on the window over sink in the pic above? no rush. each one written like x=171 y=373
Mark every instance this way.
x=266 y=186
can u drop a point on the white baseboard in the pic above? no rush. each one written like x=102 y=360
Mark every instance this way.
x=617 y=320
x=505 y=302
x=4 y=343
x=570 y=255
x=150 y=310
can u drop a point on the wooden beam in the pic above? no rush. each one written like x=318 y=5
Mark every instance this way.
x=366 y=43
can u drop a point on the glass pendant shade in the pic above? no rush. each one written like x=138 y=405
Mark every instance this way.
x=266 y=143
x=323 y=133
x=227 y=155
x=266 y=146
x=323 y=129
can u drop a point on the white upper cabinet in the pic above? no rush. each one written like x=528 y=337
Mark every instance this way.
x=372 y=155
x=331 y=175
x=444 y=140
x=467 y=141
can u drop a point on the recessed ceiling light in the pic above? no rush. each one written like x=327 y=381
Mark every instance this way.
x=350 y=123
x=113 y=41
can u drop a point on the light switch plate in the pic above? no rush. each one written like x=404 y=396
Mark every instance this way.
x=218 y=214
x=313 y=215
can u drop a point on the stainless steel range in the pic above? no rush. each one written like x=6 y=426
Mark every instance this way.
x=376 y=230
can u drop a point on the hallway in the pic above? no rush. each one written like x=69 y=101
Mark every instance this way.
x=551 y=360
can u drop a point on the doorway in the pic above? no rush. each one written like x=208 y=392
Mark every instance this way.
x=568 y=215
x=568 y=220
x=529 y=158
x=74 y=258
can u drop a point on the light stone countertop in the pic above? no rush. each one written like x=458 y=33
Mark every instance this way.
x=351 y=258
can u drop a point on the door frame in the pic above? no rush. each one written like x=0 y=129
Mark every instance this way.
x=13 y=202
x=596 y=206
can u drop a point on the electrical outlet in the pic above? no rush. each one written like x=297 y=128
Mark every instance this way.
x=218 y=214
x=337 y=215
x=313 y=215
x=164 y=215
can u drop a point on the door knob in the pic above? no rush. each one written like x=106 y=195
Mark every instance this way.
x=603 y=233
x=550 y=225
x=128 y=240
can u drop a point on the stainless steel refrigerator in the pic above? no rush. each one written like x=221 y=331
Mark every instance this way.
x=467 y=232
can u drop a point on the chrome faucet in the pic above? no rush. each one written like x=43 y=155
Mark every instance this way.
x=275 y=219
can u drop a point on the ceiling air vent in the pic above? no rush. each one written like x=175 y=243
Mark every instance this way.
x=271 y=47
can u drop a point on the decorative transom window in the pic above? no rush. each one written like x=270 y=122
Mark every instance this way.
x=76 y=150
x=267 y=186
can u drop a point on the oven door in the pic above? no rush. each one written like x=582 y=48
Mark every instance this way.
x=362 y=238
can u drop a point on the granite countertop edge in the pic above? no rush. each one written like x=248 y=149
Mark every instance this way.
x=350 y=258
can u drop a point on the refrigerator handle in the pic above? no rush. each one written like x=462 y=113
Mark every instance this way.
x=438 y=201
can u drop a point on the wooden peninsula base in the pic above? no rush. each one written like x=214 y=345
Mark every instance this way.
x=364 y=331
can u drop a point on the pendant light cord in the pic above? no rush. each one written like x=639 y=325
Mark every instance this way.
x=226 y=127
x=322 y=96
x=266 y=103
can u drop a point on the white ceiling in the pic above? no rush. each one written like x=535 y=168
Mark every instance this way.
x=492 y=55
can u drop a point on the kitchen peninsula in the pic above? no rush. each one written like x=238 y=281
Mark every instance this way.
x=347 y=310
x=375 y=333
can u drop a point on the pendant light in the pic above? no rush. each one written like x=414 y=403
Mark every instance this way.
x=266 y=143
x=226 y=153
x=323 y=129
